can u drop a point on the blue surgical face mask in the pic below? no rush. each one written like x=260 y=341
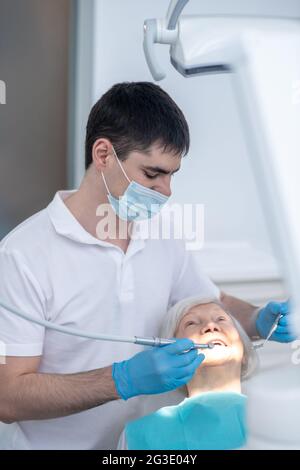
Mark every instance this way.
x=138 y=202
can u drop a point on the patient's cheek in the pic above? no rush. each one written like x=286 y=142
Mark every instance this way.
x=194 y=336
x=180 y=333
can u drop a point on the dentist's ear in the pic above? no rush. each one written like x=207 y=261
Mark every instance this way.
x=101 y=152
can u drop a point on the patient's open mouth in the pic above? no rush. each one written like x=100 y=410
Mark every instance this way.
x=218 y=342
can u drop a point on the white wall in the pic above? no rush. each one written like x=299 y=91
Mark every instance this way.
x=216 y=172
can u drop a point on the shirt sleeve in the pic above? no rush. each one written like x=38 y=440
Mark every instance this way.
x=20 y=290
x=192 y=280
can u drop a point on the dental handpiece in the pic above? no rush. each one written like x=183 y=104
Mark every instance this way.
x=155 y=341
x=152 y=341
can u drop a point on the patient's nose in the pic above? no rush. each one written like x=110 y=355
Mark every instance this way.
x=210 y=327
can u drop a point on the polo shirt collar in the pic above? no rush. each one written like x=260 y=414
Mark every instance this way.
x=67 y=225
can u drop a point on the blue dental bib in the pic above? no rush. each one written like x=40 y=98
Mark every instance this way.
x=212 y=420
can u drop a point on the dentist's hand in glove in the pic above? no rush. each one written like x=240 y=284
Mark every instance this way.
x=157 y=370
x=267 y=316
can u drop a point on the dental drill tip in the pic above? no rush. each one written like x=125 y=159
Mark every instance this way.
x=210 y=345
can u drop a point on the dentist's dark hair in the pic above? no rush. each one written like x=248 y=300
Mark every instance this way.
x=134 y=116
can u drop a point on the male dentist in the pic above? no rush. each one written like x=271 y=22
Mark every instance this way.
x=65 y=392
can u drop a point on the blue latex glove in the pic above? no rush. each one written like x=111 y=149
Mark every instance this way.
x=157 y=370
x=266 y=318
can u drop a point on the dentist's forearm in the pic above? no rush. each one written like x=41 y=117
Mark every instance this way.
x=36 y=396
x=244 y=312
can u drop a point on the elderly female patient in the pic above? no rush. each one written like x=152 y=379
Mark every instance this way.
x=211 y=415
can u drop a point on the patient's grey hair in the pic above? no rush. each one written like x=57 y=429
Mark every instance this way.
x=174 y=315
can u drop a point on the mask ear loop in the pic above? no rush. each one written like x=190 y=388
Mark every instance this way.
x=120 y=165
x=108 y=191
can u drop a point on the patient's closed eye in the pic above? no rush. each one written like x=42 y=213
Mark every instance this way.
x=222 y=319
x=191 y=322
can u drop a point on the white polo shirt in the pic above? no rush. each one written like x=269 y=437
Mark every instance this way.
x=53 y=269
